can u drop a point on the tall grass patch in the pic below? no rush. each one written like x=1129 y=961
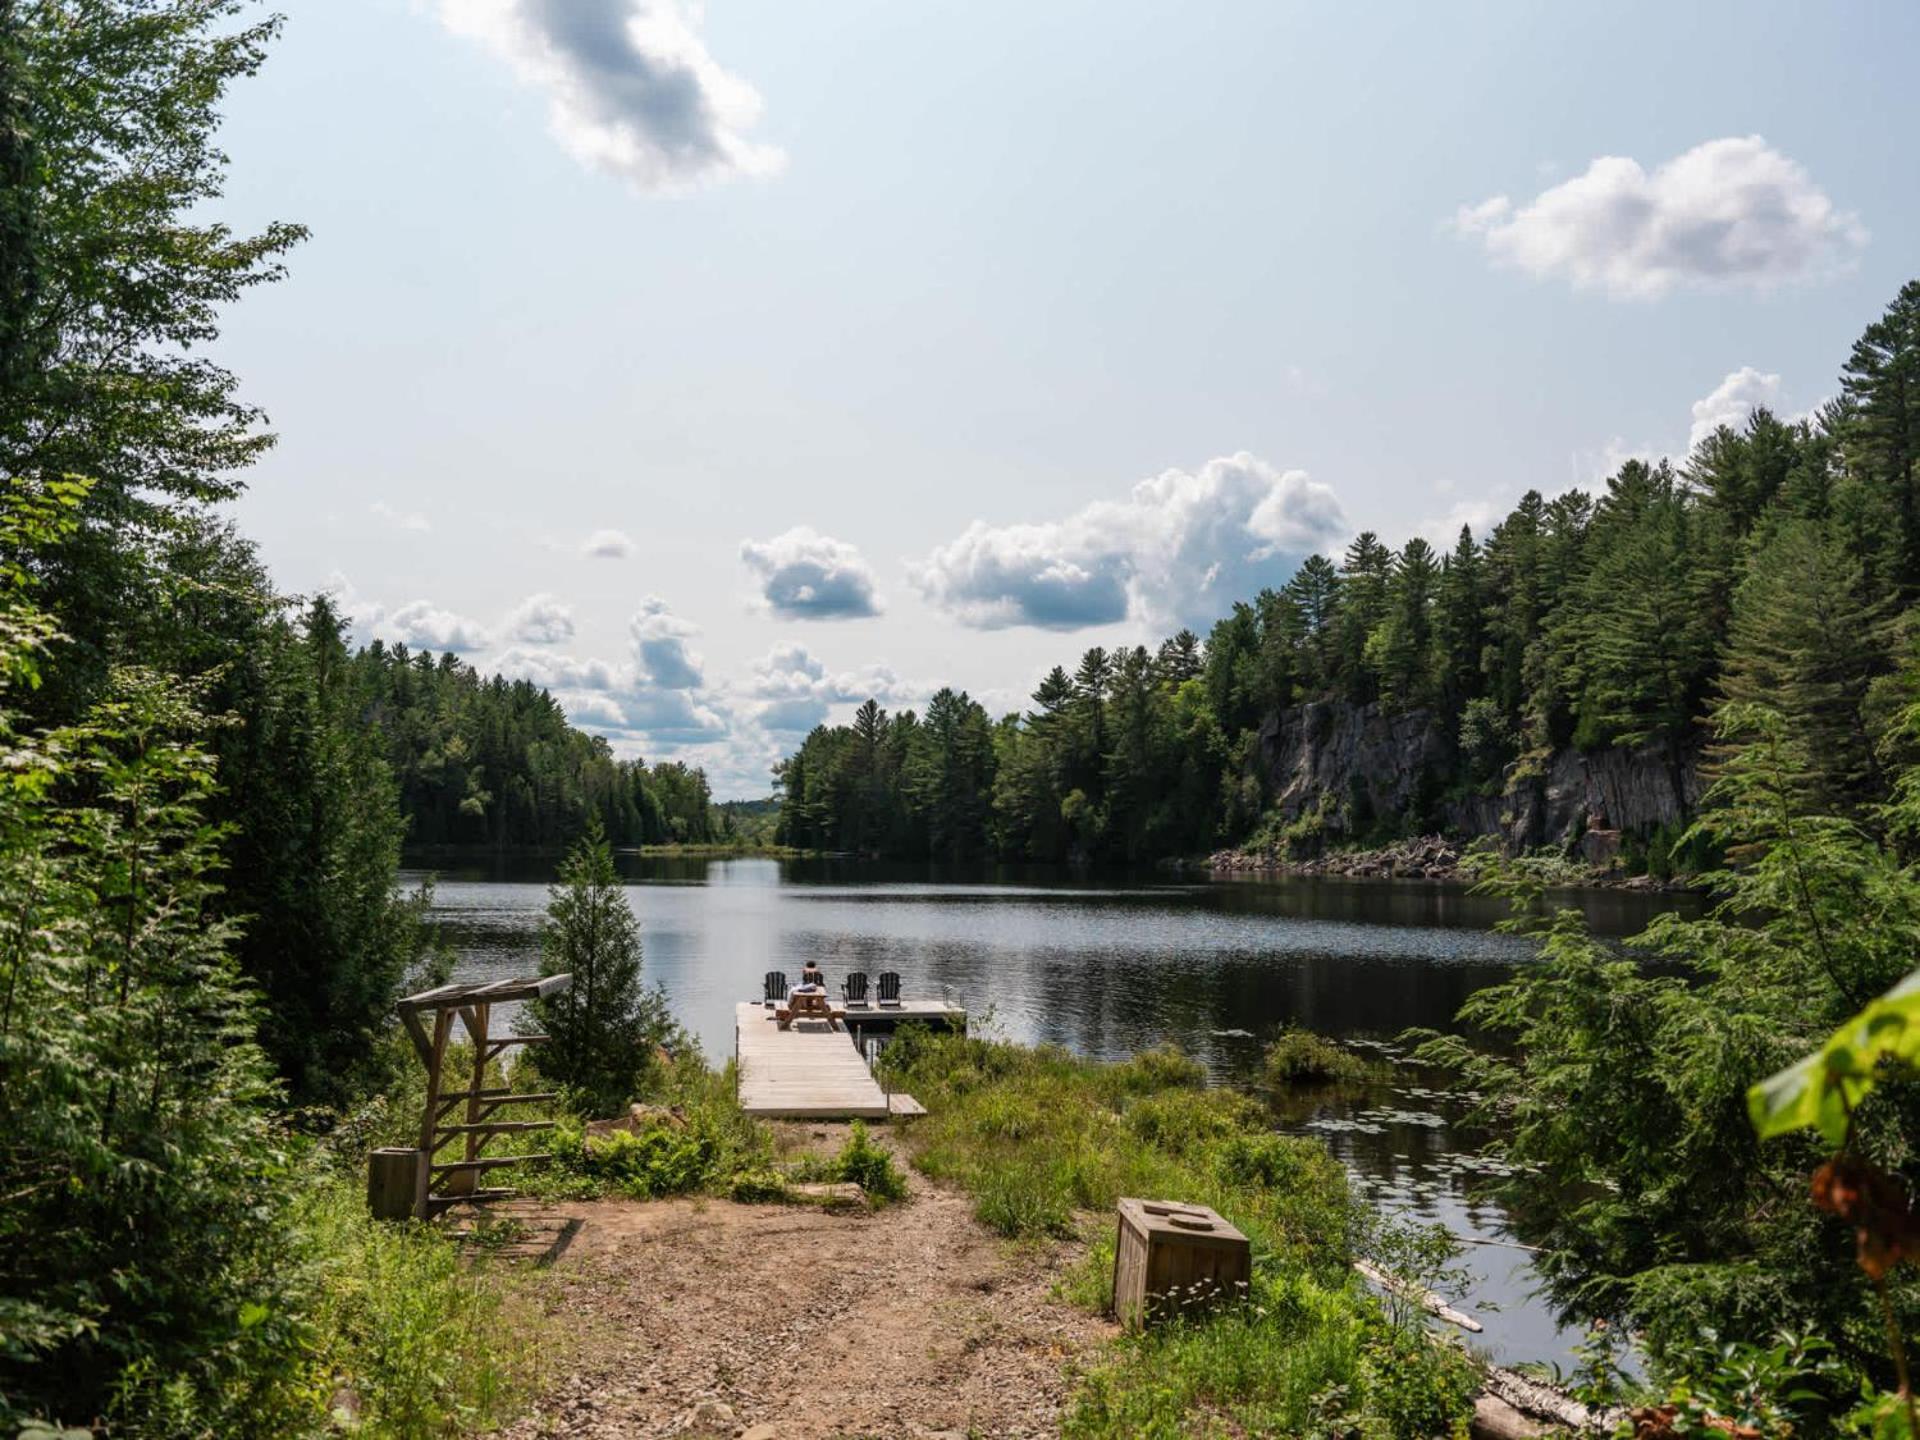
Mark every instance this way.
x=1046 y=1143
x=416 y=1338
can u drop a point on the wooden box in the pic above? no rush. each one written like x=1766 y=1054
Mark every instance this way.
x=1168 y=1257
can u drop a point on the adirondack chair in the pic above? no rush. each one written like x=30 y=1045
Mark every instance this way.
x=854 y=988
x=776 y=986
x=889 y=987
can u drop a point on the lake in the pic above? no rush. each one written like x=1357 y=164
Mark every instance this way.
x=1106 y=967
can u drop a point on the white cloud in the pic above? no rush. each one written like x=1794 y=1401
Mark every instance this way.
x=1732 y=401
x=1180 y=549
x=541 y=620
x=804 y=575
x=607 y=545
x=425 y=625
x=659 y=699
x=631 y=88
x=660 y=646
x=795 y=692
x=399 y=519
x=1728 y=214
x=553 y=671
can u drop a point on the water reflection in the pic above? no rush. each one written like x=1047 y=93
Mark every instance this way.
x=1105 y=968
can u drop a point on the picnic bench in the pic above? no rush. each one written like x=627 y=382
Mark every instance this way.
x=803 y=1006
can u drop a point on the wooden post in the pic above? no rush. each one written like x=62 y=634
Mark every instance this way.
x=464 y=1182
x=436 y=1057
x=395 y=1178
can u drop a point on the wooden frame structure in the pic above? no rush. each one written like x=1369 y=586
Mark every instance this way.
x=429 y=1018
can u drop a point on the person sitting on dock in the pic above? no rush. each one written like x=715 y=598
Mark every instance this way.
x=812 y=979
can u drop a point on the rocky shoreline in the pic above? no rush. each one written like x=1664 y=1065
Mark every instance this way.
x=1424 y=857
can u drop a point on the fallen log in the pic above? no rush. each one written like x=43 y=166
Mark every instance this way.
x=1424 y=1298
x=1532 y=1399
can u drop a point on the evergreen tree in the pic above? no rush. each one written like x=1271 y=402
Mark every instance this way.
x=1807 y=643
x=1881 y=384
x=1315 y=593
x=606 y=1025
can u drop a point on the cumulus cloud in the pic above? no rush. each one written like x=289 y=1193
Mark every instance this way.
x=1732 y=401
x=398 y=519
x=660 y=646
x=1727 y=214
x=541 y=620
x=551 y=670
x=607 y=545
x=1180 y=549
x=658 y=698
x=794 y=690
x=425 y=625
x=804 y=575
x=631 y=89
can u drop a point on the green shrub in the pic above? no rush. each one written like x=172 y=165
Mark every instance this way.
x=660 y=1160
x=1300 y=1057
x=868 y=1166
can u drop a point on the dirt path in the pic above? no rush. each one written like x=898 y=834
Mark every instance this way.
x=910 y=1322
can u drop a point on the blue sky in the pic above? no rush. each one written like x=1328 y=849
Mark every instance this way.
x=721 y=366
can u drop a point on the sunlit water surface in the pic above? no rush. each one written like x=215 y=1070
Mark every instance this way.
x=1106 y=968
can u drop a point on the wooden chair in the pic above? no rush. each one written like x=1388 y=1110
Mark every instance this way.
x=776 y=983
x=889 y=987
x=853 y=989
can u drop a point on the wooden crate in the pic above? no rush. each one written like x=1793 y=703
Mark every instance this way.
x=1169 y=1256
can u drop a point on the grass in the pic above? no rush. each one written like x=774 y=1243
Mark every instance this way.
x=1300 y=1057
x=413 y=1337
x=1046 y=1143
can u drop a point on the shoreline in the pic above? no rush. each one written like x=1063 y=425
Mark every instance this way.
x=1427 y=858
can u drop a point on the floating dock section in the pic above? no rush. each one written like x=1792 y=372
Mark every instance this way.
x=815 y=1071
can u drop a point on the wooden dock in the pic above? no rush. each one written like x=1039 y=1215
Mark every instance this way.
x=816 y=1072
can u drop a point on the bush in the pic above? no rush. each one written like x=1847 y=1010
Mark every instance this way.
x=868 y=1166
x=1300 y=1057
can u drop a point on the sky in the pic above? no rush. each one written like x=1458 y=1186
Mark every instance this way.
x=719 y=367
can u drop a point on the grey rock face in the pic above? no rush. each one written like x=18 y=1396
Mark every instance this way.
x=1361 y=769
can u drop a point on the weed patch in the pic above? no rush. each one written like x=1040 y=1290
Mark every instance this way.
x=1046 y=1143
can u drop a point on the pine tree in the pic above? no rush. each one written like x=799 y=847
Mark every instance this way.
x=1881 y=384
x=1807 y=642
x=1459 y=621
x=606 y=1026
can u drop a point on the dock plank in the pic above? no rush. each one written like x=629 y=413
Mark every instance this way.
x=808 y=1072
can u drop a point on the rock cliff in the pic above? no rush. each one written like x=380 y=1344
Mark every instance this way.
x=1350 y=771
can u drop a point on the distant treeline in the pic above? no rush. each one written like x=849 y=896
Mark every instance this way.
x=485 y=761
x=1778 y=562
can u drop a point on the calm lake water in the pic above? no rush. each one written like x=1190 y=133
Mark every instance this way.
x=1107 y=967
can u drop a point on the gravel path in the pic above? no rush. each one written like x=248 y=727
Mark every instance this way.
x=704 y=1318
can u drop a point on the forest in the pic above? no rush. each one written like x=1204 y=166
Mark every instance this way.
x=484 y=762
x=205 y=792
x=1779 y=561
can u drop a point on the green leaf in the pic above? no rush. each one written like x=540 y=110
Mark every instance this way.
x=1821 y=1090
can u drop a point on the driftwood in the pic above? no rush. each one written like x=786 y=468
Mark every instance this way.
x=1532 y=1401
x=1425 y=1299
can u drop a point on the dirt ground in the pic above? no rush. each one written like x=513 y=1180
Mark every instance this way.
x=705 y=1318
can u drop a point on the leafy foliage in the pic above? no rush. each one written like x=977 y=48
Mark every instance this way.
x=148 y=1267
